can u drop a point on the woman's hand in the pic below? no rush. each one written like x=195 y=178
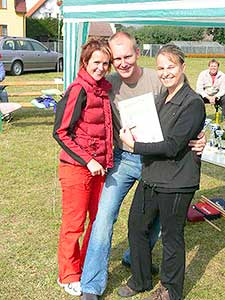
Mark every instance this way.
x=127 y=137
x=199 y=144
x=212 y=99
x=95 y=168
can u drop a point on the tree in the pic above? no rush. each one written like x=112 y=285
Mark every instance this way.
x=218 y=34
x=48 y=27
x=163 y=34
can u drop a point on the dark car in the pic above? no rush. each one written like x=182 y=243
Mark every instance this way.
x=20 y=54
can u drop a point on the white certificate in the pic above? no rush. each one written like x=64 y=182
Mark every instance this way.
x=140 y=114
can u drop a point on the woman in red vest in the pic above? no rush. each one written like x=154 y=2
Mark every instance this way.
x=83 y=129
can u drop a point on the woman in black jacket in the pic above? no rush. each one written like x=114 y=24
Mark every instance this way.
x=170 y=177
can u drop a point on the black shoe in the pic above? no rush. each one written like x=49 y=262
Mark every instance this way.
x=87 y=296
x=155 y=269
x=126 y=291
x=125 y=263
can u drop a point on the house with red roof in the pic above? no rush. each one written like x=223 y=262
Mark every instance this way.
x=49 y=8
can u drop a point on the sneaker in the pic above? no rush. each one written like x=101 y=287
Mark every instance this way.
x=7 y=118
x=72 y=288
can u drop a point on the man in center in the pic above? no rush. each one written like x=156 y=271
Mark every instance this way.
x=129 y=81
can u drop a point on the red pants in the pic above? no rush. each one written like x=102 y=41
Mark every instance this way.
x=80 y=194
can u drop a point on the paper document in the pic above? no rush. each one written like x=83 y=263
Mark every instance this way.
x=140 y=114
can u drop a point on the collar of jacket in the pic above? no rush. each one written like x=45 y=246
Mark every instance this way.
x=178 y=98
x=100 y=88
x=218 y=74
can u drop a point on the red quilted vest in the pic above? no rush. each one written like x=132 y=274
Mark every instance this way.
x=93 y=131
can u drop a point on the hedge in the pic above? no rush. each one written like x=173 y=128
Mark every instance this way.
x=209 y=55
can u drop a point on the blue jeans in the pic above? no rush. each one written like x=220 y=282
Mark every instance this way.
x=3 y=95
x=119 y=180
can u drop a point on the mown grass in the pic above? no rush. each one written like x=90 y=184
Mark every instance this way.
x=30 y=211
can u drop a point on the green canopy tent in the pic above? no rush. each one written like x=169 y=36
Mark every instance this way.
x=77 y=15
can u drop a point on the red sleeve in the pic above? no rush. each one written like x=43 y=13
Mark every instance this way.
x=68 y=112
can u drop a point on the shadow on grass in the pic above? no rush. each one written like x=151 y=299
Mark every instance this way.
x=206 y=242
x=29 y=117
x=26 y=112
x=120 y=273
x=213 y=171
x=27 y=124
x=203 y=243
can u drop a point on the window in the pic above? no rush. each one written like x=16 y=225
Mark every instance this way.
x=8 y=45
x=3 y=30
x=24 y=45
x=38 y=47
x=3 y=3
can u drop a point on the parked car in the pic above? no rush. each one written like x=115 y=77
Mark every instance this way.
x=20 y=54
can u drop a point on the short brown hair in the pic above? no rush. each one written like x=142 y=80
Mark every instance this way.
x=213 y=61
x=90 y=47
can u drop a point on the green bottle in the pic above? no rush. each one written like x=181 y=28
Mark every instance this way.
x=217 y=114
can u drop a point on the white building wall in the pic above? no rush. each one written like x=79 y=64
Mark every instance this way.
x=30 y=3
x=49 y=8
x=112 y=25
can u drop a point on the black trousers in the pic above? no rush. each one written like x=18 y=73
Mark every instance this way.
x=220 y=101
x=172 y=209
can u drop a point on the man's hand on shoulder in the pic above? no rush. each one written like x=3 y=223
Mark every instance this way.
x=199 y=144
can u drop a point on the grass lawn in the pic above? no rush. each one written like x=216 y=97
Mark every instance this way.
x=30 y=210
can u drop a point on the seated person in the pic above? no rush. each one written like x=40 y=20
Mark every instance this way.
x=211 y=85
x=3 y=93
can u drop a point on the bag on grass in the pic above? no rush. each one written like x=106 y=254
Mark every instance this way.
x=200 y=210
x=44 y=102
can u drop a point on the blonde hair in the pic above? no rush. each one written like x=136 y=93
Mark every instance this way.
x=174 y=53
x=123 y=34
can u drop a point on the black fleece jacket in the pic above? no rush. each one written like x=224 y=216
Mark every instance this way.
x=170 y=165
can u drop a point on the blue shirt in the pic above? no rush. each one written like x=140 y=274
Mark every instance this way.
x=2 y=71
